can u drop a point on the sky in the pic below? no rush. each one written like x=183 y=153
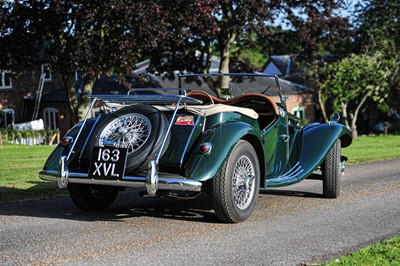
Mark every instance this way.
x=347 y=11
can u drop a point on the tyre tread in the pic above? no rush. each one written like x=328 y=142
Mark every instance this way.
x=331 y=181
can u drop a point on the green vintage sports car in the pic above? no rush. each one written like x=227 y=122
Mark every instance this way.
x=180 y=144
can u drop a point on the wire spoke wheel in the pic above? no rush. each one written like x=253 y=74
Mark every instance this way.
x=235 y=188
x=129 y=131
x=140 y=129
x=243 y=185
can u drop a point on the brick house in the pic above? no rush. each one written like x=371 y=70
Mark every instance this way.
x=20 y=95
x=301 y=101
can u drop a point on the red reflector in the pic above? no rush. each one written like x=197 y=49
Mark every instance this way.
x=204 y=147
x=66 y=141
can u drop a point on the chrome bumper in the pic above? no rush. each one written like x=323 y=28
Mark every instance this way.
x=152 y=182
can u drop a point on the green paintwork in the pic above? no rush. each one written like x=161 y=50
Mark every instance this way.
x=52 y=162
x=316 y=142
x=223 y=138
x=303 y=151
x=183 y=138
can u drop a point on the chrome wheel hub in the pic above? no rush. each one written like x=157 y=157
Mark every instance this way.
x=243 y=185
x=129 y=131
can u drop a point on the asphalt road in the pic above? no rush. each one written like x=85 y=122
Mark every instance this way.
x=290 y=226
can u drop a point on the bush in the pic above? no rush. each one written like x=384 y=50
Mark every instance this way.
x=25 y=136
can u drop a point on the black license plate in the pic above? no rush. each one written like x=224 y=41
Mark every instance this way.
x=108 y=163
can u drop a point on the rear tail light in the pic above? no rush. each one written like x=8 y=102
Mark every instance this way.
x=205 y=148
x=65 y=141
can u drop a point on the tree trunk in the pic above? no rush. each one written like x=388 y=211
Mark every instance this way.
x=69 y=83
x=322 y=105
x=224 y=81
x=353 y=117
x=84 y=105
x=344 y=115
x=78 y=104
x=353 y=127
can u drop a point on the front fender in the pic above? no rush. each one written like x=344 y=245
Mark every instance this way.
x=202 y=167
x=317 y=142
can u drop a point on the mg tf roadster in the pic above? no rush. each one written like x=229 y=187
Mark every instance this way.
x=181 y=143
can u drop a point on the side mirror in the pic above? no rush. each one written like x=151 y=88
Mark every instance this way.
x=334 y=118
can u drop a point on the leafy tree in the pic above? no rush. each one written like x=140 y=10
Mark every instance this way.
x=378 y=22
x=101 y=36
x=93 y=37
x=315 y=25
x=225 y=27
x=351 y=81
x=378 y=27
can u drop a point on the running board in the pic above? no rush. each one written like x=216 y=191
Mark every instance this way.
x=294 y=175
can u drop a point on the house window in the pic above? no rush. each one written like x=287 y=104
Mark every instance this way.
x=50 y=118
x=47 y=73
x=6 y=117
x=5 y=82
x=299 y=112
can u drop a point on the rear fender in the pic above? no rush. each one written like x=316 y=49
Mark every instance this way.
x=202 y=167
x=52 y=162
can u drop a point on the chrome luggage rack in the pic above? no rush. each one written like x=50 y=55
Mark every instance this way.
x=152 y=182
x=153 y=98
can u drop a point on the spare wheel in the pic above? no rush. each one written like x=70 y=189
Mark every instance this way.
x=139 y=128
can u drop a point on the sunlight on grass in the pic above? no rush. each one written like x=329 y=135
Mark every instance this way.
x=373 y=148
x=19 y=168
x=384 y=253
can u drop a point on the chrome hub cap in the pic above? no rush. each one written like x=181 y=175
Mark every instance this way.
x=129 y=131
x=243 y=185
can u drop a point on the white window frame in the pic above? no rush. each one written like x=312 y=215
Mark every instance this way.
x=47 y=74
x=299 y=112
x=50 y=117
x=3 y=80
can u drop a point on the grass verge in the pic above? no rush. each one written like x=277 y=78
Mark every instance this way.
x=384 y=253
x=19 y=168
x=373 y=148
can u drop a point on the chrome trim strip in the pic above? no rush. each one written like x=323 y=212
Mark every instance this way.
x=168 y=131
x=80 y=130
x=89 y=135
x=180 y=89
x=144 y=98
x=164 y=183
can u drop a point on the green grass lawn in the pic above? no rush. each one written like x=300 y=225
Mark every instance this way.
x=19 y=168
x=384 y=253
x=373 y=148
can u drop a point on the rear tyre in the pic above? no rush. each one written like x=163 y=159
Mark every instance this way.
x=331 y=172
x=92 y=197
x=235 y=188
